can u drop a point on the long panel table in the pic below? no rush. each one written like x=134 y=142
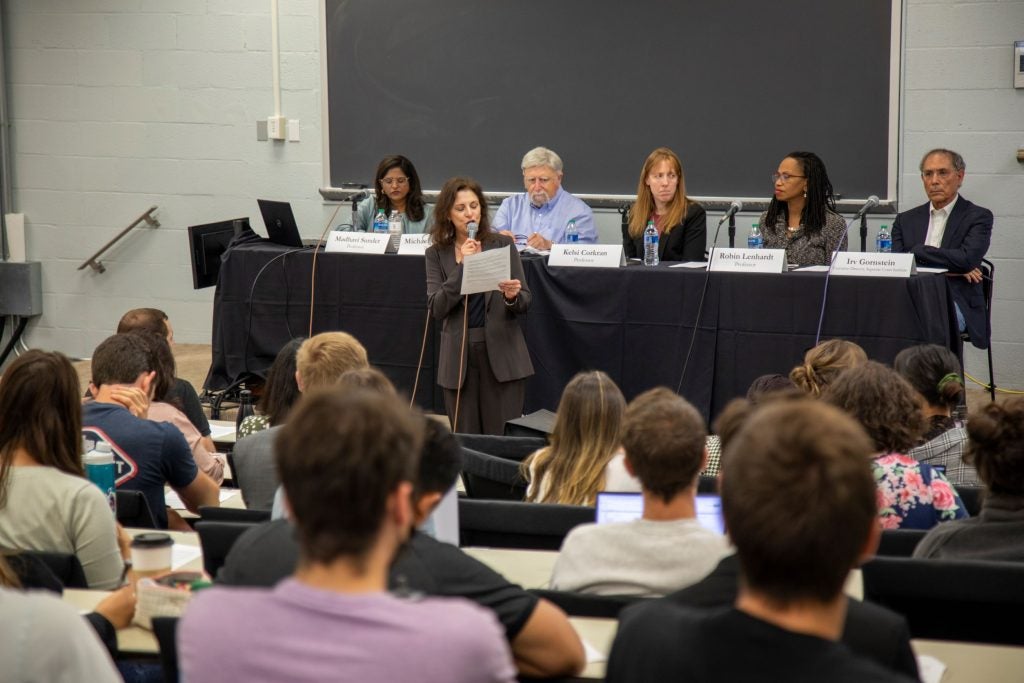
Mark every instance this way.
x=635 y=323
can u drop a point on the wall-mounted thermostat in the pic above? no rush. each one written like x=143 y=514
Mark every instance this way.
x=1018 y=64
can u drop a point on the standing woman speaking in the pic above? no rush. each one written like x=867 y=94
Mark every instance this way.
x=491 y=363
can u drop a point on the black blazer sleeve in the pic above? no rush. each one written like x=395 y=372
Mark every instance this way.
x=966 y=238
x=686 y=241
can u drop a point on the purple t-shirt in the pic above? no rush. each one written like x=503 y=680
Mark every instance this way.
x=297 y=633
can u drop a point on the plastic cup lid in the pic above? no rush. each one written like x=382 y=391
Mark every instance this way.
x=152 y=540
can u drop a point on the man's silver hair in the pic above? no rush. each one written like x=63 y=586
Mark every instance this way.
x=542 y=156
x=958 y=161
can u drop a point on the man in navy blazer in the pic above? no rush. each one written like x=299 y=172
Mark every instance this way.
x=950 y=232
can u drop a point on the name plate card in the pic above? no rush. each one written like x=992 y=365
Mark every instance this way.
x=726 y=260
x=587 y=255
x=873 y=265
x=414 y=245
x=358 y=242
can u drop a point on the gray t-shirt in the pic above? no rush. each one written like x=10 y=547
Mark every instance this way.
x=54 y=511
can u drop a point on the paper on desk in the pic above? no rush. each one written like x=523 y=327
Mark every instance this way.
x=925 y=269
x=593 y=654
x=483 y=271
x=220 y=431
x=690 y=264
x=812 y=269
x=173 y=500
x=930 y=669
x=182 y=554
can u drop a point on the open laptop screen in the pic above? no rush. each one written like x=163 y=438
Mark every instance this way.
x=625 y=507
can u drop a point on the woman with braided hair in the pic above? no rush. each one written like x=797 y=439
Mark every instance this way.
x=801 y=217
x=823 y=363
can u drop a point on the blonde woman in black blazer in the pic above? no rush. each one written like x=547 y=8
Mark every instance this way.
x=494 y=361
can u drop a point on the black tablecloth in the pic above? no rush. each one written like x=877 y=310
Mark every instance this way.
x=634 y=323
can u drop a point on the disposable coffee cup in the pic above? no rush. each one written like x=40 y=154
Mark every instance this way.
x=151 y=554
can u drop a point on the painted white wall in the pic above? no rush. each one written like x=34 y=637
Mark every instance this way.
x=117 y=105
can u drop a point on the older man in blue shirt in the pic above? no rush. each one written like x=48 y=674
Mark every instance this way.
x=542 y=213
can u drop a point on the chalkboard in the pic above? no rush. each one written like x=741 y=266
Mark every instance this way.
x=466 y=87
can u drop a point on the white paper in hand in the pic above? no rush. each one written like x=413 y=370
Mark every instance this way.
x=483 y=271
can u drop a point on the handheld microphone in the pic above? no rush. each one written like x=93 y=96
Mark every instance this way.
x=737 y=206
x=871 y=203
x=471 y=229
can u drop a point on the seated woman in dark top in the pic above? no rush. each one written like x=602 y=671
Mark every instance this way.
x=996 y=448
x=661 y=197
x=801 y=217
x=934 y=372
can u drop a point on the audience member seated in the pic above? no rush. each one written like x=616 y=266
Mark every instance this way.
x=182 y=393
x=934 y=372
x=585 y=455
x=996 y=448
x=319 y=362
x=667 y=548
x=280 y=392
x=46 y=503
x=43 y=638
x=869 y=630
x=148 y=455
x=824 y=362
x=795 y=474
x=165 y=409
x=347 y=460
x=911 y=494
x=543 y=642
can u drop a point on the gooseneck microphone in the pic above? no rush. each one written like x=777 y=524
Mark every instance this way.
x=737 y=206
x=471 y=229
x=871 y=203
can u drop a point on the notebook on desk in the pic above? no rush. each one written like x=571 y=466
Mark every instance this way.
x=625 y=507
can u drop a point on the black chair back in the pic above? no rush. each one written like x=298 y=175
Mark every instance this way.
x=216 y=539
x=900 y=542
x=707 y=484
x=584 y=605
x=40 y=568
x=508 y=447
x=243 y=515
x=166 y=631
x=960 y=600
x=133 y=510
x=512 y=524
x=491 y=477
x=972 y=497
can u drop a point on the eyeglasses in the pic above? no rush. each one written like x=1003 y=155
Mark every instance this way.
x=942 y=173
x=392 y=182
x=784 y=177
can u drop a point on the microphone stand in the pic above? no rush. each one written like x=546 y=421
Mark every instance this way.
x=864 y=232
x=732 y=231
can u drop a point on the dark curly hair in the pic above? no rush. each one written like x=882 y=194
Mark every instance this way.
x=883 y=402
x=934 y=371
x=996 y=446
x=820 y=197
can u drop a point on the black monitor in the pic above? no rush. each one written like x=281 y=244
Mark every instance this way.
x=207 y=243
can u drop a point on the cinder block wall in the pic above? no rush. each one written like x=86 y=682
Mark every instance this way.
x=117 y=105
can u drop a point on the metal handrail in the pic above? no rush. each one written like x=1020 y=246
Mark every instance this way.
x=92 y=261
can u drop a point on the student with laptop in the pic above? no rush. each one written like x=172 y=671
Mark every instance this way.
x=799 y=502
x=667 y=548
x=347 y=460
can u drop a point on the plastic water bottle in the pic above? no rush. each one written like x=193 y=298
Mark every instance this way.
x=380 y=221
x=101 y=470
x=650 y=244
x=883 y=242
x=395 y=230
x=572 y=236
x=754 y=239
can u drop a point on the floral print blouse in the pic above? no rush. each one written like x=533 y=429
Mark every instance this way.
x=913 y=495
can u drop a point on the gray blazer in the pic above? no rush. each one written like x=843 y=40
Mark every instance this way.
x=254 y=469
x=506 y=347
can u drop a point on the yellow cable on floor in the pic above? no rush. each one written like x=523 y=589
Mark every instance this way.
x=986 y=387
